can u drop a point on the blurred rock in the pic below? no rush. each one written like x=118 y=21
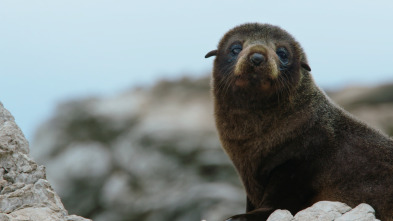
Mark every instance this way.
x=25 y=194
x=146 y=154
x=373 y=105
x=153 y=153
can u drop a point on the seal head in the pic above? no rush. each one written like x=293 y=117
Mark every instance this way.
x=258 y=59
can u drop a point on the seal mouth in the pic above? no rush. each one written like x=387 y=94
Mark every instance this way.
x=253 y=81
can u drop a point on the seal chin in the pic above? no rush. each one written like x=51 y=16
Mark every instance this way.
x=241 y=82
x=266 y=85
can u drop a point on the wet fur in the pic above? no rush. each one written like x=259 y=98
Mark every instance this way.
x=290 y=144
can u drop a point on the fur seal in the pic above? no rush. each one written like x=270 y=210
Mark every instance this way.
x=291 y=145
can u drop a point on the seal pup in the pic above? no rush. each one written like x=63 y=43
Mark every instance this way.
x=291 y=145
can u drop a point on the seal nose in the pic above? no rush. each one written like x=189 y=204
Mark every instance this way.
x=257 y=58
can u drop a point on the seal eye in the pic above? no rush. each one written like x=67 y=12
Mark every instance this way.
x=236 y=49
x=282 y=54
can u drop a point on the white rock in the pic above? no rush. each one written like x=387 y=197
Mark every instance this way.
x=326 y=210
x=323 y=210
x=280 y=215
x=363 y=212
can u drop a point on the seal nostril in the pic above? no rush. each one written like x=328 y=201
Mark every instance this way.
x=257 y=58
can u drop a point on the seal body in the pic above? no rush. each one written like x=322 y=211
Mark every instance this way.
x=290 y=144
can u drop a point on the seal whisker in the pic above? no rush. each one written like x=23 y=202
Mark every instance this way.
x=285 y=84
x=228 y=80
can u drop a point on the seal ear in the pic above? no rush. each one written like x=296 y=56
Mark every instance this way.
x=305 y=66
x=211 y=53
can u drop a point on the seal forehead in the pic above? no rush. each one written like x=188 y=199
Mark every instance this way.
x=256 y=32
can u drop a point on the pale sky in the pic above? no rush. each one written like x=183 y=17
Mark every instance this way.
x=52 y=51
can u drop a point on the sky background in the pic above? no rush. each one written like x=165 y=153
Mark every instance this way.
x=53 y=51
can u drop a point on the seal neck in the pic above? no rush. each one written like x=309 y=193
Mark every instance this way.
x=259 y=127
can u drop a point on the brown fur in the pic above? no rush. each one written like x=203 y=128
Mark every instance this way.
x=289 y=143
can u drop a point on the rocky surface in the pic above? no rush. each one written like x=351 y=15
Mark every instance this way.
x=327 y=211
x=25 y=194
x=152 y=153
